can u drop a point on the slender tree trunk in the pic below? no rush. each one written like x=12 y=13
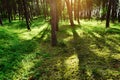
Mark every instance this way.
x=78 y=11
x=75 y=9
x=0 y=18
x=26 y=14
x=69 y=9
x=108 y=14
x=38 y=7
x=9 y=11
x=53 y=12
x=119 y=16
x=114 y=10
x=1 y=21
x=57 y=20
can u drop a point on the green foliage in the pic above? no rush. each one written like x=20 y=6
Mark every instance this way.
x=17 y=56
x=87 y=52
x=113 y=31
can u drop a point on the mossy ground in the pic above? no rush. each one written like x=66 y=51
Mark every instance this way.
x=85 y=52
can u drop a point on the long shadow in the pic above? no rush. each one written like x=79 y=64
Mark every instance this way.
x=58 y=63
x=101 y=41
x=113 y=31
x=90 y=65
x=13 y=51
x=19 y=24
x=38 y=22
x=116 y=24
x=39 y=37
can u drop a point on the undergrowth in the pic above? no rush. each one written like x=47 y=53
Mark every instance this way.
x=86 y=52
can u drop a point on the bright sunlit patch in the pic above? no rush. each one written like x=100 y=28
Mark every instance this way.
x=25 y=68
x=69 y=32
x=68 y=39
x=72 y=60
x=97 y=35
x=116 y=56
x=80 y=32
x=27 y=35
x=72 y=66
x=113 y=72
x=104 y=54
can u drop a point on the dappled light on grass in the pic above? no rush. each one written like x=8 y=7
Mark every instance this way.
x=89 y=51
x=101 y=53
x=23 y=70
x=116 y=56
x=28 y=35
x=72 y=67
x=67 y=39
x=111 y=73
x=18 y=50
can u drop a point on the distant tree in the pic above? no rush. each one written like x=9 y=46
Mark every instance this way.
x=108 y=13
x=104 y=9
x=119 y=15
x=114 y=10
x=78 y=11
x=26 y=13
x=9 y=10
x=0 y=15
x=1 y=21
x=69 y=9
x=37 y=7
x=20 y=9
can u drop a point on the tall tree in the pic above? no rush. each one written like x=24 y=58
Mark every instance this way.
x=114 y=10
x=69 y=9
x=78 y=11
x=108 y=14
x=0 y=15
x=26 y=14
x=53 y=13
x=38 y=7
x=9 y=9
x=119 y=15
x=1 y=21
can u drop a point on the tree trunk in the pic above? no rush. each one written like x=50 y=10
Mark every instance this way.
x=119 y=16
x=108 y=14
x=114 y=10
x=75 y=9
x=9 y=10
x=53 y=12
x=0 y=18
x=38 y=7
x=26 y=14
x=69 y=9
x=1 y=21
x=78 y=11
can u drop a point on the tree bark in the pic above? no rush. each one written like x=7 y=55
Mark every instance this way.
x=1 y=21
x=114 y=10
x=78 y=11
x=53 y=12
x=38 y=7
x=108 y=14
x=0 y=18
x=26 y=14
x=119 y=16
x=69 y=9
x=9 y=10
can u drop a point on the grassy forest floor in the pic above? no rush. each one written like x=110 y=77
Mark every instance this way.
x=87 y=52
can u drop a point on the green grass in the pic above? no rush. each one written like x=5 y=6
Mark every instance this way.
x=87 y=52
